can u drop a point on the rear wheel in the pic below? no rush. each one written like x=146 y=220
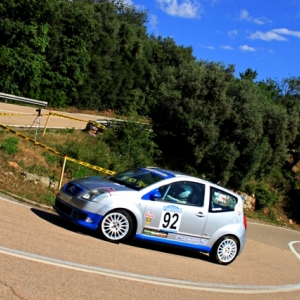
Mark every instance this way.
x=116 y=226
x=225 y=250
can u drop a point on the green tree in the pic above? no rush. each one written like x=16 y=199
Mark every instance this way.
x=192 y=106
x=131 y=145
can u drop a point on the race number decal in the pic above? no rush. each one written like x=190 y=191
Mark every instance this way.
x=170 y=219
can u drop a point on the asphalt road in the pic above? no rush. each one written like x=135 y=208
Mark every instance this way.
x=29 y=117
x=43 y=257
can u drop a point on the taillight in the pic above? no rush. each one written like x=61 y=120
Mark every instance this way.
x=245 y=222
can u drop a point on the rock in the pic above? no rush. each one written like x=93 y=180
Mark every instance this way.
x=14 y=165
x=54 y=185
x=45 y=181
x=9 y=174
x=291 y=222
x=36 y=179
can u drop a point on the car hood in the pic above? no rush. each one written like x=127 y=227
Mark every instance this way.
x=92 y=183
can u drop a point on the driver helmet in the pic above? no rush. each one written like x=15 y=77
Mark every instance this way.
x=187 y=190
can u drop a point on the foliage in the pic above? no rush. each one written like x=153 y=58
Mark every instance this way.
x=10 y=145
x=264 y=196
x=131 y=145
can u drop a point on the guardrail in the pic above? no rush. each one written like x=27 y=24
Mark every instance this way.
x=23 y=99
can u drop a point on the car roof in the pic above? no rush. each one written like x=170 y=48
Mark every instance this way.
x=179 y=174
x=170 y=172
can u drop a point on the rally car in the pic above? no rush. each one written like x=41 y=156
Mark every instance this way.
x=159 y=206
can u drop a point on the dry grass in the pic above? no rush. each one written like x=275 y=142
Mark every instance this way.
x=32 y=159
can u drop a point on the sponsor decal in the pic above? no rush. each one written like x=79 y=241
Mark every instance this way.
x=168 y=230
x=155 y=233
x=191 y=240
x=239 y=208
x=88 y=220
x=220 y=197
x=172 y=208
x=148 y=221
x=149 y=214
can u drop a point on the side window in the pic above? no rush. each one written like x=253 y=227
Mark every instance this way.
x=221 y=201
x=183 y=192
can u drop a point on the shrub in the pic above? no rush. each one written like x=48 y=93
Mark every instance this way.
x=264 y=197
x=10 y=145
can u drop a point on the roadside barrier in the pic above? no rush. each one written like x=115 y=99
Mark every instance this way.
x=23 y=115
x=26 y=138
x=23 y=99
x=51 y=113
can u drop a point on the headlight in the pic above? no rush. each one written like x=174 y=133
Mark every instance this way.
x=95 y=195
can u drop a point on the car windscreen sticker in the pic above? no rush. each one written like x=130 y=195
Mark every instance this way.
x=170 y=219
x=161 y=173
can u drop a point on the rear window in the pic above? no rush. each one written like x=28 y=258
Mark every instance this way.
x=221 y=201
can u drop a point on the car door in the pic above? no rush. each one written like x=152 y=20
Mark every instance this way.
x=182 y=220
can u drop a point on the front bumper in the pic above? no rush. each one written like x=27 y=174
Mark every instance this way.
x=77 y=216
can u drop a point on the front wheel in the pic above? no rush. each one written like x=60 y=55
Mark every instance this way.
x=116 y=226
x=225 y=250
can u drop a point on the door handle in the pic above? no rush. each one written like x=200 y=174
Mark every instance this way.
x=200 y=214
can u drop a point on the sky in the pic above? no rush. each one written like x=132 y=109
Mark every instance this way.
x=263 y=35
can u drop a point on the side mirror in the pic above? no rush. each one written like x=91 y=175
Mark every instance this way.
x=155 y=195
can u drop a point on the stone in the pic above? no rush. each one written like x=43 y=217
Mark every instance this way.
x=14 y=165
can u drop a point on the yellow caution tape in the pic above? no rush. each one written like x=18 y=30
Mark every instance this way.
x=100 y=126
x=24 y=115
x=90 y=166
x=90 y=121
x=26 y=138
x=66 y=117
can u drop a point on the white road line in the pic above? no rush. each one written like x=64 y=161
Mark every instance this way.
x=15 y=202
x=290 y=243
x=203 y=286
x=293 y=249
x=273 y=226
x=13 y=111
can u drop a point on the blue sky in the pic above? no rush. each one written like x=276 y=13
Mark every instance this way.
x=263 y=35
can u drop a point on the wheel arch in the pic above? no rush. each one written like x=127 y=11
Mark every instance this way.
x=229 y=235
x=133 y=216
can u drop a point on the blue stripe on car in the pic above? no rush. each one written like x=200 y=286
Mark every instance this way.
x=164 y=241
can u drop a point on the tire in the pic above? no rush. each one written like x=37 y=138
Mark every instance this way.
x=116 y=226
x=225 y=250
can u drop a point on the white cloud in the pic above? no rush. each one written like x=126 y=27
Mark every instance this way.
x=244 y=15
x=128 y=2
x=247 y=48
x=285 y=31
x=152 y=21
x=180 y=8
x=232 y=33
x=226 y=47
x=267 y=36
x=208 y=47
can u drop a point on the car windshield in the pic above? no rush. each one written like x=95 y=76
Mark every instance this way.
x=138 y=179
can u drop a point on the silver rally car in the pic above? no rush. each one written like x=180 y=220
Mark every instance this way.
x=160 y=206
